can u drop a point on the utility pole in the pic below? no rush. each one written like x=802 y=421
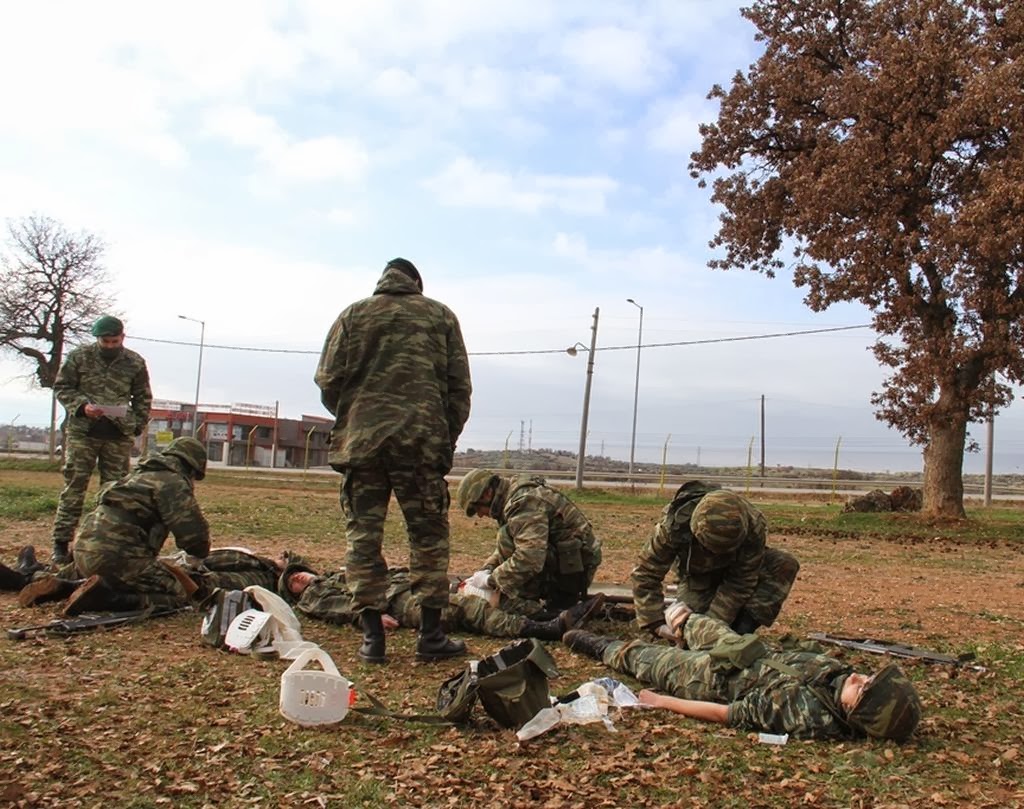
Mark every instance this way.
x=762 y=436
x=582 y=454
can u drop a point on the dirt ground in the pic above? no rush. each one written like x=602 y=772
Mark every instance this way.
x=146 y=716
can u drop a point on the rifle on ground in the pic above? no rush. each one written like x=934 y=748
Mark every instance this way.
x=882 y=647
x=87 y=623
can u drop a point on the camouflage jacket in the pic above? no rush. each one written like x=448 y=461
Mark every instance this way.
x=136 y=513
x=731 y=576
x=395 y=375
x=766 y=699
x=327 y=598
x=87 y=378
x=545 y=543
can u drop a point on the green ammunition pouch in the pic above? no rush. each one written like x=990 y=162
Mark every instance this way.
x=737 y=652
x=570 y=556
x=512 y=685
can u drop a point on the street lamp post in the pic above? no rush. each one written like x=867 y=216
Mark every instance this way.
x=572 y=352
x=199 y=370
x=636 y=391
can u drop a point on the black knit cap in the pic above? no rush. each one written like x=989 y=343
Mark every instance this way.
x=405 y=266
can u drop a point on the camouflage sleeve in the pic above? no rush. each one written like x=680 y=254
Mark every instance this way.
x=180 y=512
x=66 y=386
x=328 y=599
x=459 y=386
x=330 y=371
x=527 y=527
x=141 y=398
x=740 y=579
x=656 y=559
x=790 y=708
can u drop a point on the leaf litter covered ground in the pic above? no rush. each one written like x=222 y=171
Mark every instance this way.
x=146 y=716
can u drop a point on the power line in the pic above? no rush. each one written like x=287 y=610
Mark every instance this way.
x=632 y=347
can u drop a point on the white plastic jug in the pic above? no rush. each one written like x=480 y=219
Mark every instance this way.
x=314 y=697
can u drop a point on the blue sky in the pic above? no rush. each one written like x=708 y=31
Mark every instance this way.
x=255 y=164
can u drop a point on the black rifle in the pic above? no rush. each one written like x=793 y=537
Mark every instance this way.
x=882 y=647
x=89 y=622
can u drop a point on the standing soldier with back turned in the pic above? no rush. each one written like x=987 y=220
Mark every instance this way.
x=395 y=375
x=95 y=384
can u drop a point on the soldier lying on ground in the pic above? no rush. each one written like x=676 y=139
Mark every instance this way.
x=547 y=553
x=716 y=540
x=119 y=541
x=328 y=598
x=724 y=677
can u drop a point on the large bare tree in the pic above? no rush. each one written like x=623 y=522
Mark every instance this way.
x=52 y=287
x=881 y=142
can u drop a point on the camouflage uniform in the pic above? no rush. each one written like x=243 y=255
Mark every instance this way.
x=328 y=598
x=395 y=375
x=234 y=569
x=86 y=377
x=547 y=551
x=753 y=577
x=121 y=539
x=760 y=697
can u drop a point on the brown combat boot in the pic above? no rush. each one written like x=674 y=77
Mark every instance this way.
x=46 y=588
x=92 y=595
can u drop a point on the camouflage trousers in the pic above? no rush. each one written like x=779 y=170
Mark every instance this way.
x=132 y=570
x=774 y=581
x=689 y=673
x=81 y=457
x=422 y=495
x=464 y=613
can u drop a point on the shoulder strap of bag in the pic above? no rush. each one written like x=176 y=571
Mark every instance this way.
x=378 y=708
x=823 y=698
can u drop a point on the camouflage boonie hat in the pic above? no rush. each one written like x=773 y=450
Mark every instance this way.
x=471 y=488
x=191 y=452
x=889 y=708
x=720 y=521
x=293 y=564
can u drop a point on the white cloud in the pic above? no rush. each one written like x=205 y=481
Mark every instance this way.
x=674 y=125
x=655 y=262
x=342 y=216
x=624 y=59
x=394 y=82
x=466 y=183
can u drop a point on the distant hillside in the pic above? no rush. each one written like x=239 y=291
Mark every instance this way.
x=564 y=461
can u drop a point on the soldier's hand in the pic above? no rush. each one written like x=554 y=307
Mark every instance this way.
x=675 y=617
x=389 y=621
x=92 y=412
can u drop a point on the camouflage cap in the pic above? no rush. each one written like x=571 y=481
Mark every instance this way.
x=107 y=326
x=191 y=452
x=889 y=707
x=293 y=564
x=720 y=521
x=471 y=488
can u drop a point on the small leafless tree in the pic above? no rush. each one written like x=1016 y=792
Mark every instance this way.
x=52 y=287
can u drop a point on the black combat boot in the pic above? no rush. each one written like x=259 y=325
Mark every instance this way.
x=543 y=630
x=587 y=643
x=61 y=553
x=576 y=616
x=27 y=562
x=372 y=650
x=93 y=595
x=433 y=643
x=12 y=579
x=47 y=588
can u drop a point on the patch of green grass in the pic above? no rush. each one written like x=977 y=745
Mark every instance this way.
x=29 y=465
x=26 y=503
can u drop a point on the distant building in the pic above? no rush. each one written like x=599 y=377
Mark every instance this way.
x=243 y=434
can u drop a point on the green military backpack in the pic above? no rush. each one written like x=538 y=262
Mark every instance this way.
x=511 y=684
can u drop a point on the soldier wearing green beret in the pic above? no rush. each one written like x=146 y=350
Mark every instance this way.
x=717 y=542
x=737 y=680
x=104 y=387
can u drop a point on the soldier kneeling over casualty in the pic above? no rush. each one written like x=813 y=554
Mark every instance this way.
x=547 y=553
x=736 y=680
x=115 y=564
x=716 y=539
x=328 y=598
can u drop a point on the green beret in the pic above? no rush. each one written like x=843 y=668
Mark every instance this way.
x=107 y=326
